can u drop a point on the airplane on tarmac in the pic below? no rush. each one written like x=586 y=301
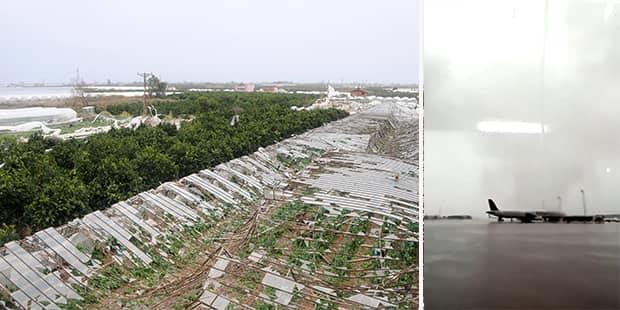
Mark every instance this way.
x=524 y=217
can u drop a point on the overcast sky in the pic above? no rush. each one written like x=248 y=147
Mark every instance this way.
x=226 y=40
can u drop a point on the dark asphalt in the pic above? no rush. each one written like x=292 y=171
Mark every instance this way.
x=482 y=264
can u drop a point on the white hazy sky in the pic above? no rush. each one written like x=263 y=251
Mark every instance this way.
x=225 y=40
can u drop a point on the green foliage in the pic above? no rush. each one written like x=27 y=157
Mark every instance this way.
x=290 y=210
x=88 y=298
x=72 y=304
x=413 y=227
x=342 y=259
x=98 y=253
x=269 y=240
x=359 y=225
x=154 y=166
x=8 y=233
x=57 y=202
x=295 y=163
x=270 y=291
x=188 y=299
x=388 y=228
x=175 y=245
x=407 y=279
x=250 y=279
x=133 y=108
x=325 y=305
x=109 y=279
x=297 y=295
x=264 y=306
x=48 y=182
x=408 y=252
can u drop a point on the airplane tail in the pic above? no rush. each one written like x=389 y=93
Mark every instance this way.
x=492 y=205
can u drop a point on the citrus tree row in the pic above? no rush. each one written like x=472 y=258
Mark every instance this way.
x=48 y=182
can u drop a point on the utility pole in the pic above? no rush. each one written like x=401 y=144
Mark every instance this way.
x=560 y=203
x=78 y=88
x=144 y=76
x=583 y=199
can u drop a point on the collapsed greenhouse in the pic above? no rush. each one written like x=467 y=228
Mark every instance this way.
x=327 y=219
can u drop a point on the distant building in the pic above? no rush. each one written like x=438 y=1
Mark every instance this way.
x=270 y=89
x=248 y=88
x=358 y=92
x=412 y=90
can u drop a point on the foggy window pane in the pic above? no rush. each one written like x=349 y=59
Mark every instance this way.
x=521 y=105
x=525 y=97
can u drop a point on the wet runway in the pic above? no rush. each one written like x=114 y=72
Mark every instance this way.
x=481 y=264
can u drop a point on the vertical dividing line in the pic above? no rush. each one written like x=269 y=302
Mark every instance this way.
x=421 y=154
